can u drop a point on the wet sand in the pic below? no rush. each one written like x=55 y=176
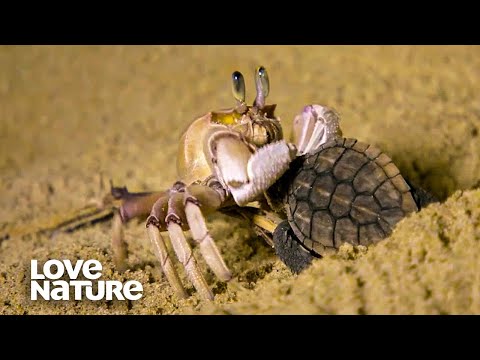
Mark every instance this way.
x=71 y=116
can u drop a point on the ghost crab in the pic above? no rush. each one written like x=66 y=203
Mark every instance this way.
x=226 y=158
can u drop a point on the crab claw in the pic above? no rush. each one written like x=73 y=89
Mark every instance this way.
x=268 y=164
x=315 y=126
x=262 y=170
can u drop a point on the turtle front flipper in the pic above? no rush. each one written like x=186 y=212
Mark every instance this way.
x=422 y=197
x=289 y=250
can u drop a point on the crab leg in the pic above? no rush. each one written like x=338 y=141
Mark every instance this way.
x=160 y=248
x=119 y=246
x=135 y=204
x=162 y=255
x=210 y=199
x=131 y=205
x=182 y=248
x=264 y=221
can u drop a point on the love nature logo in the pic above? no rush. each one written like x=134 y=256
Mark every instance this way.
x=48 y=285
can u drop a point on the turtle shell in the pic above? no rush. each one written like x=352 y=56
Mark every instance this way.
x=347 y=192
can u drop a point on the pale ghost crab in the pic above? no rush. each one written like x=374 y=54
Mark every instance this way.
x=226 y=158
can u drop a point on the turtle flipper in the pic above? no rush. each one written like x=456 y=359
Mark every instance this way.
x=289 y=250
x=421 y=196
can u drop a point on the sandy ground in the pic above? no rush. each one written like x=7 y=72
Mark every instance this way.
x=71 y=114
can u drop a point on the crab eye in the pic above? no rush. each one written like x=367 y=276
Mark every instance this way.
x=262 y=81
x=238 y=86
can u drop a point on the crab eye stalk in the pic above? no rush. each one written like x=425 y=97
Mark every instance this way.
x=238 y=90
x=238 y=86
x=262 y=84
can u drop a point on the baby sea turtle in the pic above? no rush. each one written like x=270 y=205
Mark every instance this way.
x=346 y=191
